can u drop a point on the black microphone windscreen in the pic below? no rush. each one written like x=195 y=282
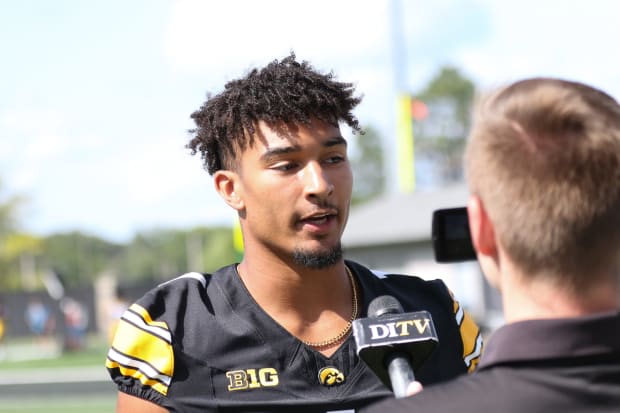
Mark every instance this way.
x=388 y=330
x=384 y=304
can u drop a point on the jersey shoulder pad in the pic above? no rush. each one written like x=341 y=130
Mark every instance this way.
x=141 y=357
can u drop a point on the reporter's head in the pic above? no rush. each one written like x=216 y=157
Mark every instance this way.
x=543 y=164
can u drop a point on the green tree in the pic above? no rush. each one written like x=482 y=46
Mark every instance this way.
x=10 y=208
x=79 y=258
x=367 y=162
x=164 y=253
x=440 y=137
x=218 y=248
x=21 y=252
x=12 y=243
x=156 y=254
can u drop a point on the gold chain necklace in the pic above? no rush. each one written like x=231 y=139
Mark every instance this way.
x=347 y=329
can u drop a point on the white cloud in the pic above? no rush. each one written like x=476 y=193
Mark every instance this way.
x=44 y=147
x=572 y=39
x=32 y=138
x=159 y=172
x=32 y=120
x=144 y=184
x=236 y=34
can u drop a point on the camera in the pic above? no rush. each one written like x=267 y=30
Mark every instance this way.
x=451 y=237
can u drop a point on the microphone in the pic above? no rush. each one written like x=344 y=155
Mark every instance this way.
x=393 y=343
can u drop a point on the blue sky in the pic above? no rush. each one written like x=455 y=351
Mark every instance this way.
x=95 y=96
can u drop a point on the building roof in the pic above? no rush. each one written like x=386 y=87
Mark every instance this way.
x=400 y=218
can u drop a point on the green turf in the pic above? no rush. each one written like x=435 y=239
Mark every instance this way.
x=75 y=404
x=93 y=354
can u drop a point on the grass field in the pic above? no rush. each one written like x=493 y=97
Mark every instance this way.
x=92 y=355
x=68 y=397
x=67 y=404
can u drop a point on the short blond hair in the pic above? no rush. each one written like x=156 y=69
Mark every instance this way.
x=543 y=155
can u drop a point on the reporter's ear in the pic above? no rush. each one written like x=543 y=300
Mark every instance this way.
x=481 y=228
x=483 y=238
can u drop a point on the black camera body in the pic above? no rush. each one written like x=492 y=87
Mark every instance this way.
x=451 y=237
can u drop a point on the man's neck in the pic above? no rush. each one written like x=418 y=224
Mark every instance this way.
x=538 y=298
x=280 y=281
x=312 y=304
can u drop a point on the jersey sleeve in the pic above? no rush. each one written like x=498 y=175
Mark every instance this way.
x=141 y=359
x=470 y=336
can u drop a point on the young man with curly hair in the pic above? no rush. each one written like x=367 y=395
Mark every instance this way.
x=543 y=166
x=273 y=332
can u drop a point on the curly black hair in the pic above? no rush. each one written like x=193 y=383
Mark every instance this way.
x=282 y=92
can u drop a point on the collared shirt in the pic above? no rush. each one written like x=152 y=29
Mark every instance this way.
x=548 y=339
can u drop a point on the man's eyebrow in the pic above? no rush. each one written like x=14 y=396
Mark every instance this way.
x=336 y=140
x=272 y=153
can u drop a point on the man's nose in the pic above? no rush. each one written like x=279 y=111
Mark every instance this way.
x=316 y=181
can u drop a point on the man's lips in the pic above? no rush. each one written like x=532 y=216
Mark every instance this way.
x=319 y=217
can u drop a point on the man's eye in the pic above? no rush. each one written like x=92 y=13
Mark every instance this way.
x=335 y=159
x=285 y=166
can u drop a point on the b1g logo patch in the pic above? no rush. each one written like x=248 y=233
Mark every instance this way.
x=252 y=378
x=330 y=376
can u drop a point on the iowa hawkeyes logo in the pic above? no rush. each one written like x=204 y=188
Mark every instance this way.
x=330 y=376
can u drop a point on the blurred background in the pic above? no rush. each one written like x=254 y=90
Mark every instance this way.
x=100 y=200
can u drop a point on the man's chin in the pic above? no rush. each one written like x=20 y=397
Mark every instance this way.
x=318 y=259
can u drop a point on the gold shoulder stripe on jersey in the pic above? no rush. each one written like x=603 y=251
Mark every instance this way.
x=140 y=371
x=472 y=359
x=142 y=349
x=470 y=336
x=138 y=316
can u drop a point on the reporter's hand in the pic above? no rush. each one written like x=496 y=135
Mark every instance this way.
x=414 y=388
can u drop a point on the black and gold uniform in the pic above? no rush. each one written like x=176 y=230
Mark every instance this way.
x=200 y=343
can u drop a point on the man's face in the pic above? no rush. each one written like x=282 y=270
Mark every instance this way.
x=295 y=183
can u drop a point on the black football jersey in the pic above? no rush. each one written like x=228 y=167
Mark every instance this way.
x=200 y=343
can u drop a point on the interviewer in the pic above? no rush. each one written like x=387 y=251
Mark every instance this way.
x=543 y=166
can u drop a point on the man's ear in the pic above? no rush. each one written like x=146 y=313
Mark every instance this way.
x=228 y=186
x=481 y=228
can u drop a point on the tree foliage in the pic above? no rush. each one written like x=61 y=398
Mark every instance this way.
x=16 y=248
x=10 y=208
x=440 y=137
x=78 y=258
x=367 y=162
x=163 y=253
